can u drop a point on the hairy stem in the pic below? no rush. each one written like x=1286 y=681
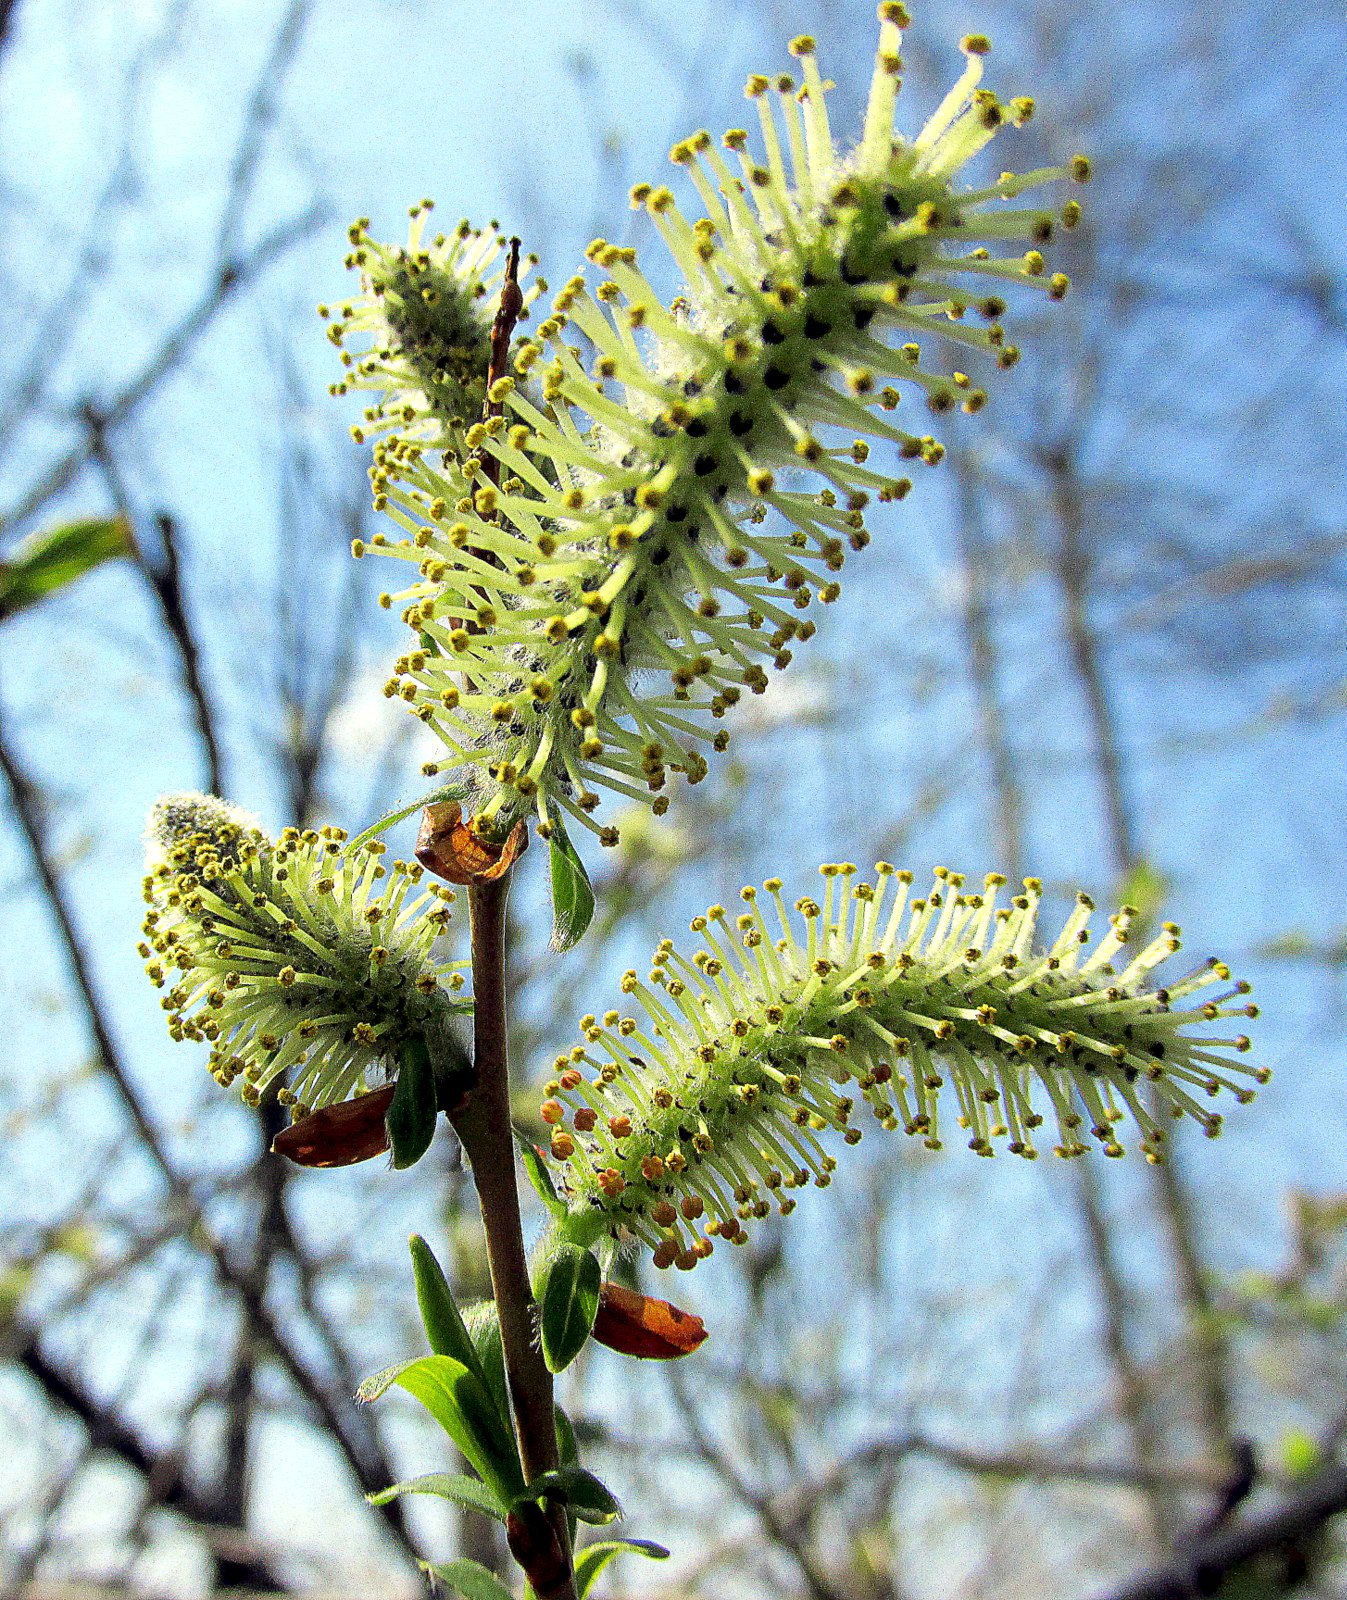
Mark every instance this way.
x=485 y=1131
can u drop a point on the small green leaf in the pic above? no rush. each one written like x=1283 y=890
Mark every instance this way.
x=580 y=1491
x=379 y=1383
x=446 y=1332
x=568 y=1301
x=442 y=792
x=455 y=1486
x=411 y=1116
x=468 y=1414
x=469 y=1578
x=595 y=1557
x=484 y=1329
x=572 y=896
x=567 y=1449
x=538 y=1175
x=48 y=561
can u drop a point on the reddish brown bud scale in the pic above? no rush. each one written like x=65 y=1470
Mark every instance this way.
x=340 y=1135
x=453 y=850
x=638 y=1325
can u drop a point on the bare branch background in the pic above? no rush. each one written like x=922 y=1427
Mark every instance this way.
x=1103 y=644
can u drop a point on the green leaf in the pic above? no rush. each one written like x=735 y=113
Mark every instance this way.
x=484 y=1329
x=469 y=1578
x=443 y=791
x=468 y=1414
x=538 y=1175
x=568 y=1301
x=455 y=1486
x=567 y=1449
x=379 y=1383
x=579 y=1490
x=48 y=561
x=595 y=1557
x=572 y=896
x=446 y=1332
x=411 y=1116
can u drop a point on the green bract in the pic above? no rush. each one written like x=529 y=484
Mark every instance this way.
x=605 y=567
x=294 y=957
x=683 y=1121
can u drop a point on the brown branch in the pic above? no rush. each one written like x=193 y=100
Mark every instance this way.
x=164 y=1474
x=486 y=1132
x=1202 y=1566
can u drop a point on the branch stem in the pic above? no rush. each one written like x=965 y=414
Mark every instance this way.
x=485 y=1131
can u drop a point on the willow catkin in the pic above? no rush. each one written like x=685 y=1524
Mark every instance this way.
x=708 y=1103
x=647 y=544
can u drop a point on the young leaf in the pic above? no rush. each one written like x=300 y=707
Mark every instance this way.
x=411 y=1116
x=468 y=1414
x=580 y=1491
x=538 y=1175
x=568 y=1301
x=443 y=791
x=469 y=1578
x=446 y=1332
x=379 y=1383
x=572 y=896
x=567 y=1449
x=455 y=1486
x=595 y=1557
x=484 y=1330
x=48 y=561
x=639 y=1325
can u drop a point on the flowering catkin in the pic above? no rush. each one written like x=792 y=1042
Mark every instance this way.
x=426 y=312
x=642 y=547
x=295 y=957
x=679 y=1123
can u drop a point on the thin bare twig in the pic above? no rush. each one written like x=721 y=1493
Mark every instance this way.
x=177 y=344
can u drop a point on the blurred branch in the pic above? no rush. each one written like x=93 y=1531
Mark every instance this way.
x=230 y=277
x=1204 y=1564
x=1028 y=1464
x=1133 y=1395
x=164 y=576
x=1207 y=1344
x=980 y=644
x=108 y=1431
x=259 y=117
x=782 y=1533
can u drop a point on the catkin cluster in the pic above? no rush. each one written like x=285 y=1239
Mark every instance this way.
x=295 y=959
x=707 y=1105
x=601 y=571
